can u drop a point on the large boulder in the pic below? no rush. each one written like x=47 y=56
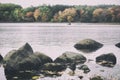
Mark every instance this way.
x=70 y=57
x=118 y=45
x=18 y=55
x=88 y=45
x=19 y=60
x=24 y=61
x=107 y=60
x=30 y=63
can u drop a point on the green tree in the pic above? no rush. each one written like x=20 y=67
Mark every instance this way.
x=6 y=11
x=18 y=14
x=28 y=9
x=44 y=13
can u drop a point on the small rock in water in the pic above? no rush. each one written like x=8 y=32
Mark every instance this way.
x=96 y=78
x=84 y=68
x=107 y=60
x=118 y=45
x=88 y=45
x=80 y=77
x=102 y=70
x=71 y=57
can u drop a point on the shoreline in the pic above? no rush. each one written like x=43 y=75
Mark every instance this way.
x=75 y=24
x=65 y=22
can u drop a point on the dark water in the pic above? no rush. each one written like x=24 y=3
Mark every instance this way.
x=54 y=39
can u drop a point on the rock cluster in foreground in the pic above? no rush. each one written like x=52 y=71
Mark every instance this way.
x=25 y=62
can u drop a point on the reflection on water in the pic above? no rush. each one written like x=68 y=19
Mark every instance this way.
x=53 y=41
x=2 y=74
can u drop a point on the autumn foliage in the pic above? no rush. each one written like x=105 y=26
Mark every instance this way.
x=59 y=13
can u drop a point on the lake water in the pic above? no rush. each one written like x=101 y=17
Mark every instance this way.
x=55 y=39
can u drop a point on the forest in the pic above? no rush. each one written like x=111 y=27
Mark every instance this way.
x=60 y=13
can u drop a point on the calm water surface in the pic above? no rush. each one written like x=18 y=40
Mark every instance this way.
x=54 y=39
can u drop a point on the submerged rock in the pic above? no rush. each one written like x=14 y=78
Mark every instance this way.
x=70 y=57
x=107 y=60
x=96 y=78
x=88 y=45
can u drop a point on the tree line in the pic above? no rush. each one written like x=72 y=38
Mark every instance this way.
x=59 y=13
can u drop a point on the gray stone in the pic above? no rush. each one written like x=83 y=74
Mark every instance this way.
x=20 y=54
x=88 y=45
x=107 y=60
x=22 y=59
x=70 y=57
